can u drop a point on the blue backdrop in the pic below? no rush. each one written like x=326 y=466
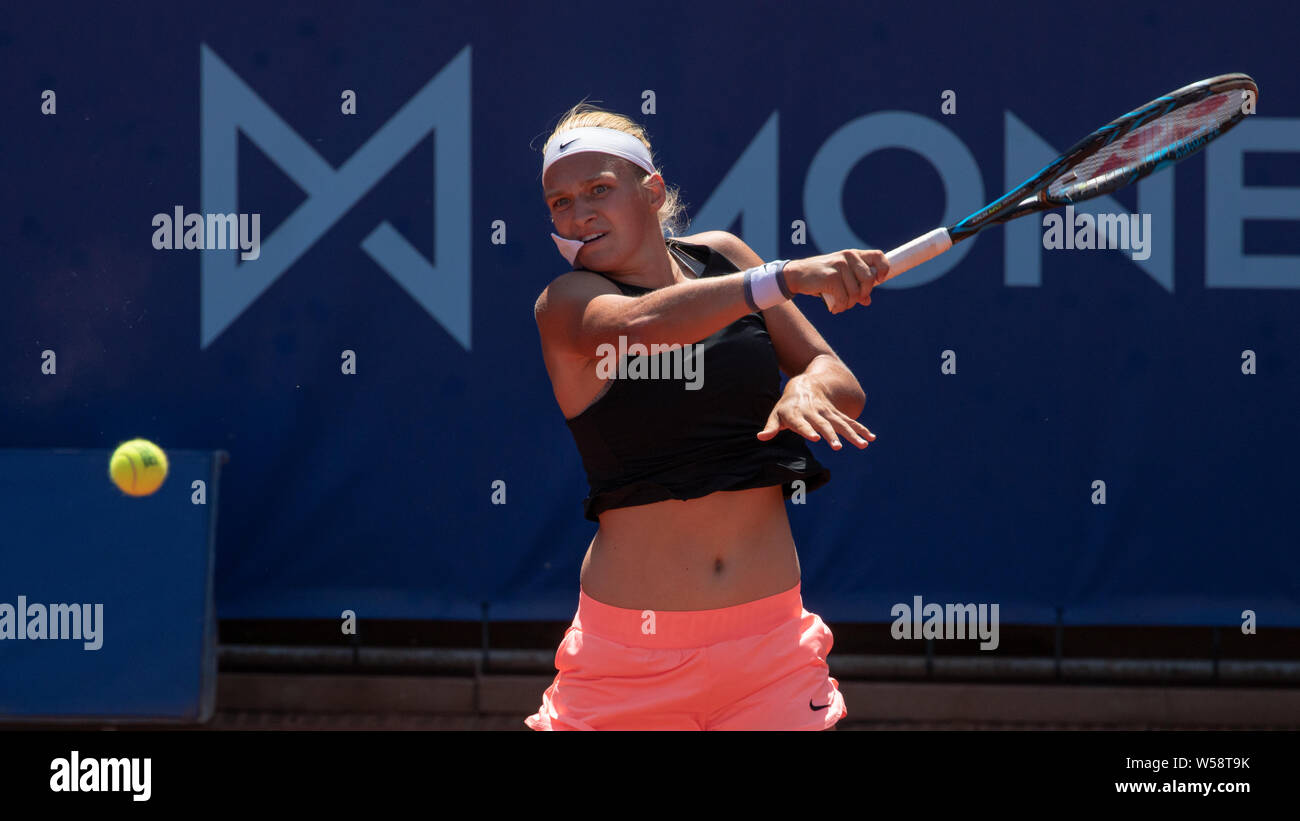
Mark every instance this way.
x=106 y=601
x=381 y=234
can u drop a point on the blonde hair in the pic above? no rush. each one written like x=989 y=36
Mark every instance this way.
x=672 y=213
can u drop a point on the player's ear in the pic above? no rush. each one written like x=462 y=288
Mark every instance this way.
x=656 y=189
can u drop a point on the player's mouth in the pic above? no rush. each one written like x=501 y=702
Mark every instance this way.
x=590 y=238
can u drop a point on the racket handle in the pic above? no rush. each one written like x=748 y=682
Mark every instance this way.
x=922 y=249
x=909 y=255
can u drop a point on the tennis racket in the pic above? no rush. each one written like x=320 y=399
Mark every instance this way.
x=1143 y=141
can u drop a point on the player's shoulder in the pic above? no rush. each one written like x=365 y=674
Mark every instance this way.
x=573 y=288
x=729 y=245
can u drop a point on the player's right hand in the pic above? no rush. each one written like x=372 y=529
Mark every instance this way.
x=843 y=279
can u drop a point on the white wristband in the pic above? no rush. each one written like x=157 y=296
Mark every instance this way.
x=765 y=285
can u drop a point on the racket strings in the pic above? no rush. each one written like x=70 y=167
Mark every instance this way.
x=1168 y=136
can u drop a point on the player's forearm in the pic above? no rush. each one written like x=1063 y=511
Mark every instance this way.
x=686 y=312
x=837 y=383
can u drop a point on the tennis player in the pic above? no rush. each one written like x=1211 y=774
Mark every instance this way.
x=689 y=613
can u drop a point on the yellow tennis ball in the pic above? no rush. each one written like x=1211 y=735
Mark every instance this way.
x=138 y=467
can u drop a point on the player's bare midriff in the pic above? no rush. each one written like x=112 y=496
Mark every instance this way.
x=724 y=549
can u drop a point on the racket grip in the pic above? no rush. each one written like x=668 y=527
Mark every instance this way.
x=922 y=249
x=909 y=255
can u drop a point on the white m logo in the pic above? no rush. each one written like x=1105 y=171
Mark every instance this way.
x=229 y=106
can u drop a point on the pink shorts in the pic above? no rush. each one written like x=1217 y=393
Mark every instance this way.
x=760 y=665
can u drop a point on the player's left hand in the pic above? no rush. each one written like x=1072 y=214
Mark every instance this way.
x=805 y=409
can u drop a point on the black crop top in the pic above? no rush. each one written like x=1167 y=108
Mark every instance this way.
x=648 y=440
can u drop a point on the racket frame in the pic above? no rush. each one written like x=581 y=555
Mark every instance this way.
x=1032 y=195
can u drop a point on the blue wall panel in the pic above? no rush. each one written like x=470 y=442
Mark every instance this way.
x=372 y=491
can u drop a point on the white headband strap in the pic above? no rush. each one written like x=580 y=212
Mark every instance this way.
x=603 y=140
